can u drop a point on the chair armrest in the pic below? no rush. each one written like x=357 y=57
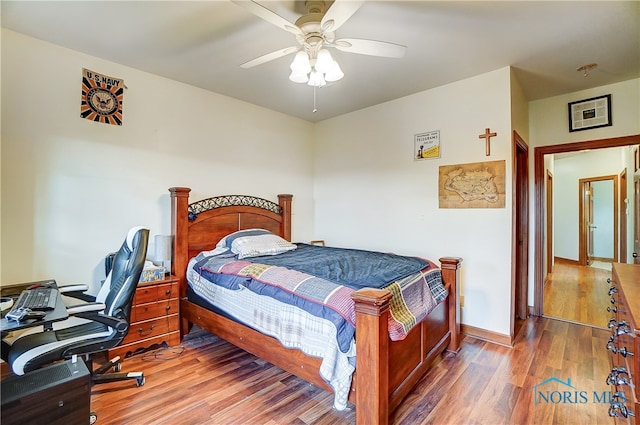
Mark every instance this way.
x=74 y=310
x=120 y=325
x=76 y=291
x=75 y=287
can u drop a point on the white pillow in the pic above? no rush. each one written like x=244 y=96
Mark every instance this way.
x=255 y=243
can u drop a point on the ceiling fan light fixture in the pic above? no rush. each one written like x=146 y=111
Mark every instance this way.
x=301 y=64
x=335 y=73
x=316 y=79
x=324 y=61
x=297 y=77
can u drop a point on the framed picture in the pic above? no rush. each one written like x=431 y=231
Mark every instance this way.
x=590 y=113
x=426 y=145
x=475 y=185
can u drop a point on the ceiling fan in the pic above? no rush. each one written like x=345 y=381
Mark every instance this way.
x=315 y=31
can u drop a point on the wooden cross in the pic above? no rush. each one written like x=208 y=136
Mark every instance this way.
x=487 y=138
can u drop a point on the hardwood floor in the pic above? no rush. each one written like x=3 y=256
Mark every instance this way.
x=208 y=381
x=577 y=294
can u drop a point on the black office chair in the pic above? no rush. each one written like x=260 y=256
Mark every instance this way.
x=107 y=313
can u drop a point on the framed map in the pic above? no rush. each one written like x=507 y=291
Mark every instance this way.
x=474 y=185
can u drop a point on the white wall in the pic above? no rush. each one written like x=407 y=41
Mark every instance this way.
x=549 y=122
x=71 y=188
x=370 y=193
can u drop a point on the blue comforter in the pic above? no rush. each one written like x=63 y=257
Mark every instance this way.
x=350 y=267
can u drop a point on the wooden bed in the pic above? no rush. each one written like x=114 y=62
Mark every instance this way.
x=378 y=386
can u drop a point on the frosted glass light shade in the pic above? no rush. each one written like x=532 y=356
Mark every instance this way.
x=324 y=61
x=316 y=79
x=300 y=64
x=335 y=73
x=298 y=77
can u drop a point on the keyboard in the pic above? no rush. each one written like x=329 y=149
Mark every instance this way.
x=37 y=299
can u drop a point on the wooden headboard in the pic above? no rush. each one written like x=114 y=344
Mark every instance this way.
x=199 y=226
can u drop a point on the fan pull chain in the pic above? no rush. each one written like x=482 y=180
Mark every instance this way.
x=314 y=100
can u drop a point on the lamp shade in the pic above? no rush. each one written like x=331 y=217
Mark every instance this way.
x=163 y=247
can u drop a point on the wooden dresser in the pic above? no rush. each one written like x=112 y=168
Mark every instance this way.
x=624 y=344
x=154 y=317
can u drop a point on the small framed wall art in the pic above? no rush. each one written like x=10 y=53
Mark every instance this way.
x=590 y=113
x=426 y=145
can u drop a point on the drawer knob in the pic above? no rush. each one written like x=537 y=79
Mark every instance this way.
x=168 y=292
x=612 y=309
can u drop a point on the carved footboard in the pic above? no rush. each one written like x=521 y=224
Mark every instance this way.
x=380 y=384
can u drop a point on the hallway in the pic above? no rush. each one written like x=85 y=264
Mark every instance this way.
x=577 y=294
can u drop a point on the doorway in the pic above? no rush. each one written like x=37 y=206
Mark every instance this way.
x=539 y=203
x=520 y=232
x=598 y=220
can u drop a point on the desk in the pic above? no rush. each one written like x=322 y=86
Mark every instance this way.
x=55 y=315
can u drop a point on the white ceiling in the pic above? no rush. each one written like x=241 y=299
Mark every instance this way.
x=203 y=43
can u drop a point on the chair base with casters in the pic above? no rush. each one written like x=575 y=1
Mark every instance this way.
x=100 y=375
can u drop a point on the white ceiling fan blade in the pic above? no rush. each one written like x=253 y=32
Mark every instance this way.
x=269 y=16
x=269 y=57
x=338 y=13
x=370 y=47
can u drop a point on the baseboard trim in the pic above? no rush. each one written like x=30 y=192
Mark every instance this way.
x=566 y=260
x=485 y=335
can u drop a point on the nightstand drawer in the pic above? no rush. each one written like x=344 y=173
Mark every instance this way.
x=151 y=328
x=153 y=310
x=153 y=293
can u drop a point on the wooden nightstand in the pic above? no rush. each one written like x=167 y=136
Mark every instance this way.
x=154 y=317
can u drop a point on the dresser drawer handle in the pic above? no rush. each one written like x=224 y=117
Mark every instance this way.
x=613 y=300
x=619 y=408
x=625 y=352
x=623 y=330
x=142 y=332
x=168 y=292
x=612 y=309
x=613 y=290
x=615 y=377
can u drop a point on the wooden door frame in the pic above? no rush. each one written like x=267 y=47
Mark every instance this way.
x=582 y=228
x=549 y=220
x=622 y=215
x=538 y=193
x=519 y=229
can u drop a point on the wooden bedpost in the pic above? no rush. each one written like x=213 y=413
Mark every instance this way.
x=450 y=267
x=372 y=356
x=180 y=233
x=284 y=200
